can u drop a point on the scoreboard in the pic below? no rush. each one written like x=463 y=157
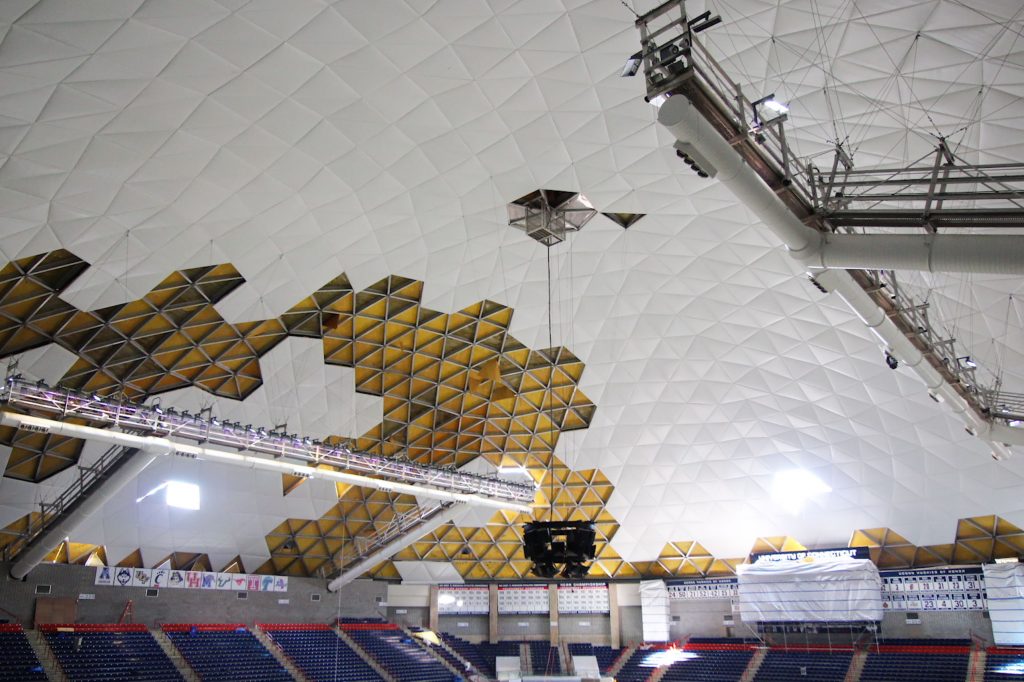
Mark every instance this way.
x=940 y=589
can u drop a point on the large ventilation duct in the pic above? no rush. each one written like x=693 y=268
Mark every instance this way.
x=995 y=254
x=945 y=253
x=135 y=461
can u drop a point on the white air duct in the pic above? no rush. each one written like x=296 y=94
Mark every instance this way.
x=996 y=254
x=392 y=548
x=127 y=472
x=166 y=446
x=946 y=253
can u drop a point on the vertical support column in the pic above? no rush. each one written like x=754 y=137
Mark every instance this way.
x=432 y=621
x=492 y=613
x=613 y=616
x=553 y=612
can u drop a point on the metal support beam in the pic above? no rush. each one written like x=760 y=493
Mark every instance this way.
x=166 y=446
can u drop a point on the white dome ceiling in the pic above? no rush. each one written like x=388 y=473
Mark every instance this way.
x=302 y=140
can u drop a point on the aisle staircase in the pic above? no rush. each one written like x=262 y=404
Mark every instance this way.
x=755 y=664
x=976 y=668
x=624 y=656
x=860 y=657
x=172 y=652
x=275 y=651
x=363 y=654
x=45 y=655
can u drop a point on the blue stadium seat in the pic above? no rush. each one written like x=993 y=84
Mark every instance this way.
x=101 y=656
x=226 y=655
x=18 y=662
x=321 y=655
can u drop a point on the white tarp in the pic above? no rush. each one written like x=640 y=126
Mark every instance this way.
x=654 y=610
x=816 y=591
x=1004 y=586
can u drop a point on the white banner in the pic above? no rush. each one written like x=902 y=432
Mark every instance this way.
x=162 y=578
x=815 y=591
x=1004 y=585
x=463 y=599
x=654 y=610
x=583 y=598
x=523 y=599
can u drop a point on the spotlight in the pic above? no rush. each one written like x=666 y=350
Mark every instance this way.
x=214 y=421
x=632 y=65
x=891 y=360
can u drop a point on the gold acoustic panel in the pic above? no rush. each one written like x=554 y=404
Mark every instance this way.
x=454 y=387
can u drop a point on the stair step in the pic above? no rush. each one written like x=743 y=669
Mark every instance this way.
x=176 y=658
x=45 y=655
x=282 y=658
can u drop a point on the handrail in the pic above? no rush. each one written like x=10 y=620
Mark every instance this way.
x=155 y=420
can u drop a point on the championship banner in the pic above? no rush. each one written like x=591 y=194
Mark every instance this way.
x=167 y=578
x=938 y=589
x=583 y=598
x=523 y=599
x=463 y=600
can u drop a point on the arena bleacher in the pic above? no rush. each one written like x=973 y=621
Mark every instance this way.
x=17 y=659
x=225 y=653
x=828 y=664
x=396 y=653
x=318 y=651
x=101 y=653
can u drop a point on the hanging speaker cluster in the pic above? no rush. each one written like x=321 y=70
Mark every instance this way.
x=559 y=548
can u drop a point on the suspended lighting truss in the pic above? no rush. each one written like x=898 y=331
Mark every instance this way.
x=209 y=432
x=823 y=216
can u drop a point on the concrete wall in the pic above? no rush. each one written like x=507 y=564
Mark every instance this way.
x=525 y=627
x=594 y=628
x=698 y=618
x=472 y=628
x=359 y=599
x=409 y=616
x=939 y=624
x=631 y=626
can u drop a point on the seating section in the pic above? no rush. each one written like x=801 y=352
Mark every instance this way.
x=97 y=653
x=320 y=654
x=605 y=655
x=711 y=663
x=396 y=653
x=471 y=652
x=491 y=651
x=639 y=666
x=782 y=665
x=1004 y=664
x=225 y=653
x=18 y=662
x=916 y=663
x=544 y=659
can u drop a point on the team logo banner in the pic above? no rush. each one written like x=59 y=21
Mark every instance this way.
x=168 y=578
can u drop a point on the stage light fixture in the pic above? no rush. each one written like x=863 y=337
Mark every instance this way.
x=553 y=544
